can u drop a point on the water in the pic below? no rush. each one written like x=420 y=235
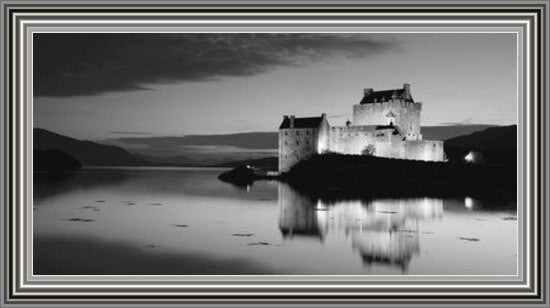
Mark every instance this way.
x=183 y=221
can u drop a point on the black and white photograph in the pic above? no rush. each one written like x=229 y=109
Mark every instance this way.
x=275 y=153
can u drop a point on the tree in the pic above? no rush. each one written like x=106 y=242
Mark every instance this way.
x=369 y=150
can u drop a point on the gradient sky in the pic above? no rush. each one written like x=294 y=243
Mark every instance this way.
x=97 y=86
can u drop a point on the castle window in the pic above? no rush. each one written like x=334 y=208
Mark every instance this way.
x=286 y=133
x=297 y=142
x=286 y=143
x=297 y=133
x=307 y=143
x=307 y=132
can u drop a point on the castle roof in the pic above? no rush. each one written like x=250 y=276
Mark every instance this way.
x=311 y=122
x=385 y=95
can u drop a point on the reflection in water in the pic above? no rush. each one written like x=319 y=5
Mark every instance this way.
x=298 y=215
x=384 y=232
x=184 y=221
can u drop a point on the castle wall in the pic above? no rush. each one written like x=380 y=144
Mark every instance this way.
x=426 y=150
x=354 y=139
x=407 y=116
x=322 y=138
x=357 y=140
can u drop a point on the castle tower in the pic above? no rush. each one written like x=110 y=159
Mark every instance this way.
x=301 y=138
x=403 y=111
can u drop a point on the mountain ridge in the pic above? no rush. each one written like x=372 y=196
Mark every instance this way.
x=88 y=153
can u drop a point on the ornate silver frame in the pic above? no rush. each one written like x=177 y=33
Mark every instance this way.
x=20 y=19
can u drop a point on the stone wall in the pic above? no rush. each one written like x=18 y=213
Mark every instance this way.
x=354 y=139
x=426 y=150
x=357 y=140
x=407 y=116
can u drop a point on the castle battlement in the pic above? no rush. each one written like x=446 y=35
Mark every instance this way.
x=385 y=124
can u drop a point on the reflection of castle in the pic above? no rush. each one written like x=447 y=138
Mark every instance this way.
x=384 y=232
x=385 y=124
x=297 y=214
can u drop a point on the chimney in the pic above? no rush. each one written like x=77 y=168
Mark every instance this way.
x=368 y=91
x=291 y=121
x=323 y=115
x=407 y=88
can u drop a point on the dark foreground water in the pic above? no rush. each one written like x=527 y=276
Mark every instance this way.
x=180 y=221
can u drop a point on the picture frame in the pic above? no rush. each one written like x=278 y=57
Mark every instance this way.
x=22 y=19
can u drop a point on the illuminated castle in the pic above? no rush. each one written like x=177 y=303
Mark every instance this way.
x=385 y=124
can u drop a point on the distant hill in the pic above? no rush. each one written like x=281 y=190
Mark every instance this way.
x=495 y=138
x=448 y=132
x=497 y=145
x=54 y=160
x=86 y=152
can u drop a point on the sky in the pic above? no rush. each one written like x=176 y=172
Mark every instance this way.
x=101 y=86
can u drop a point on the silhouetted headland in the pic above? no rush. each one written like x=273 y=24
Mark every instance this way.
x=88 y=153
x=54 y=160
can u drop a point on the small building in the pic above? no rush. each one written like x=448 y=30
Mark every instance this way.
x=385 y=124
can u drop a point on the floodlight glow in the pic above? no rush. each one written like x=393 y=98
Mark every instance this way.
x=469 y=157
x=468 y=202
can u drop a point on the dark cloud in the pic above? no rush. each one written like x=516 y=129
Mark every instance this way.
x=85 y=64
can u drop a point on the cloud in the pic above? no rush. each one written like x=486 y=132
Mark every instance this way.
x=68 y=64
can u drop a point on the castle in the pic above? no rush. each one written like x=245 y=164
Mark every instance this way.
x=385 y=124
